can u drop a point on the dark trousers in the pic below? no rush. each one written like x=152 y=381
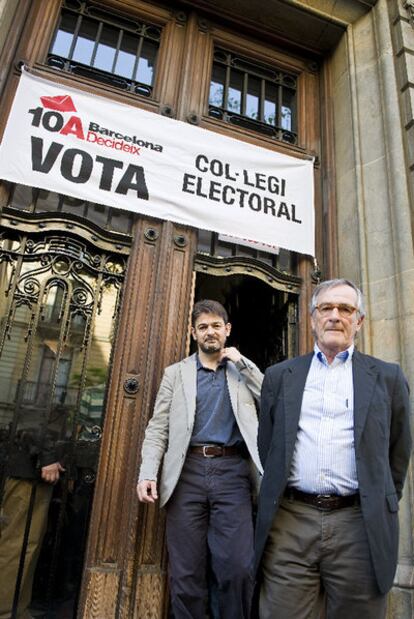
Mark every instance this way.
x=308 y=549
x=210 y=510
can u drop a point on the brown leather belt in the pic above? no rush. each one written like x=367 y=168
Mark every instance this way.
x=326 y=502
x=214 y=451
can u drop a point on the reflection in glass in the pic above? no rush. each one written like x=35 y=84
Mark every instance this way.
x=125 y=63
x=270 y=105
x=105 y=53
x=64 y=35
x=217 y=86
x=253 y=98
x=288 y=109
x=146 y=65
x=85 y=42
x=234 y=98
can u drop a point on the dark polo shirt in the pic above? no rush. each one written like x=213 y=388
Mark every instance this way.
x=214 y=419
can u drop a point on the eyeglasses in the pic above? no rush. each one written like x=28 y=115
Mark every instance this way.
x=344 y=310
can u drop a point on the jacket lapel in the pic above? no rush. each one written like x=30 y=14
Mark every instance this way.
x=364 y=377
x=188 y=368
x=233 y=387
x=294 y=380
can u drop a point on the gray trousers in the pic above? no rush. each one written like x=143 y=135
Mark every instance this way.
x=210 y=511
x=311 y=551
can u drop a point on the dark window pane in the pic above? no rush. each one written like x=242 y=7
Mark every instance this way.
x=121 y=221
x=22 y=197
x=146 y=64
x=253 y=98
x=98 y=214
x=224 y=249
x=74 y=205
x=64 y=35
x=47 y=201
x=105 y=54
x=235 y=92
x=204 y=241
x=85 y=42
x=127 y=56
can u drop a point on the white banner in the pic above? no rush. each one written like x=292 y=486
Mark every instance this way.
x=65 y=140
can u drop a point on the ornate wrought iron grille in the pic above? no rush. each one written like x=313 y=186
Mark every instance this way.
x=251 y=95
x=103 y=45
x=61 y=278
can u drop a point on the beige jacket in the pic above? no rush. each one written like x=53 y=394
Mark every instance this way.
x=169 y=431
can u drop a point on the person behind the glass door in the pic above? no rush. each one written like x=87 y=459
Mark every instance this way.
x=204 y=430
x=33 y=466
x=334 y=438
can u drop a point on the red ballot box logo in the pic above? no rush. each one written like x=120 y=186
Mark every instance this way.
x=62 y=103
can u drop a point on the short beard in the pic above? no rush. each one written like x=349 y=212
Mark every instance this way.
x=210 y=351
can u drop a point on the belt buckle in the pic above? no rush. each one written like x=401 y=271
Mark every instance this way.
x=321 y=498
x=205 y=454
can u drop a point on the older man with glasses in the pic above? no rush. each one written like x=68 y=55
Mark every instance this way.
x=334 y=440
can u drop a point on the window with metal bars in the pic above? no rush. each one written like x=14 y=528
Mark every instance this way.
x=254 y=96
x=95 y=42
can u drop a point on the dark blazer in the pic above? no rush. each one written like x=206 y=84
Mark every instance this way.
x=382 y=448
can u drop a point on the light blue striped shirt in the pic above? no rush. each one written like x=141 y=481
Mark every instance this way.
x=324 y=456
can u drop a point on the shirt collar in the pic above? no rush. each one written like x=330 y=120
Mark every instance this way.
x=200 y=366
x=341 y=357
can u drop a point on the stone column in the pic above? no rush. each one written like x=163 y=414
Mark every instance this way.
x=373 y=76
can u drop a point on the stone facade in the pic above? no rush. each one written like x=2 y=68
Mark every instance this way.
x=372 y=72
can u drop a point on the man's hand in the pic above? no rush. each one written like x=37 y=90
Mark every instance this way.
x=230 y=353
x=147 y=491
x=51 y=472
